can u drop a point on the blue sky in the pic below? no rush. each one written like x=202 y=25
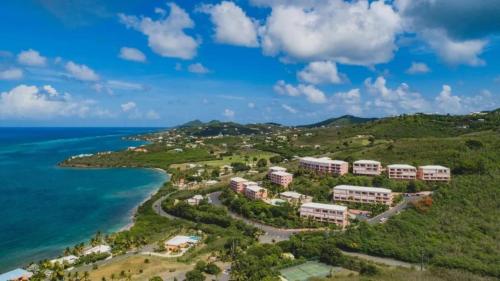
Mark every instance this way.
x=161 y=63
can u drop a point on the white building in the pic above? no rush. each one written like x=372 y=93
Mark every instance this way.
x=401 y=172
x=367 y=167
x=99 y=249
x=295 y=198
x=65 y=260
x=362 y=194
x=195 y=200
x=325 y=213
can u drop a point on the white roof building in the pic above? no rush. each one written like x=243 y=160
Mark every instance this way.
x=97 y=250
x=373 y=162
x=292 y=194
x=238 y=179
x=322 y=206
x=181 y=240
x=282 y=174
x=322 y=160
x=362 y=188
x=255 y=188
x=67 y=259
x=400 y=166
x=434 y=167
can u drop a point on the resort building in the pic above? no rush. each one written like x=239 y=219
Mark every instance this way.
x=195 y=200
x=16 y=274
x=401 y=172
x=295 y=198
x=180 y=242
x=325 y=213
x=324 y=165
x=362 y=194
x=367 y=167
x=433 y=173
x=281 y=178
x=237 y=184
x=99 y=249
x=276 y=169
x=71 y=259
x=255 y=192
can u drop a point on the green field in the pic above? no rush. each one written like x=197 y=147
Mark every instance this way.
x=303 y=272
x=227 y=160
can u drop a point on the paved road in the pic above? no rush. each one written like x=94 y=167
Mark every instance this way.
x=394 y=210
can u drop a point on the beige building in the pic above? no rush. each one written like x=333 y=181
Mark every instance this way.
x=434 y=173
x=324 y=165
x=281 y=178
x=325 y=213
x=401 y=172
x=237 y=184
x=295 y=198
x=255 y=192
x=367 y=168
x=362 y=194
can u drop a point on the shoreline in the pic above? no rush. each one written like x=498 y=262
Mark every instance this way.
x=133 y=211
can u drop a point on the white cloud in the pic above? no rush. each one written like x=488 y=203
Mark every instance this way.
x=81 y=72
x=28 y=102
x=126 y=107
x=123 y=85
x=349 y=101
x=31 y=58
x=418 y=68
x=320 y=72
x=446 y=102
x=289 y=108
x=152 y=115
x=351 y=32
x=166 y=36
x=232 y=25
x=198 y=68
x=251 y=105
x=393 y=101
x=455 y=52
x=11 y=74
x=229 y=113
x=313 y=94
x=132 y=54
x=50 y=90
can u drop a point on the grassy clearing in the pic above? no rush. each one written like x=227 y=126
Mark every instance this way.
x=242 y=157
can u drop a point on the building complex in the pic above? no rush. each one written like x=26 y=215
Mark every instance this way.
x=281 y=178
x=367 y=167
x=433 y=173
x=362 y=194
x=325 y=213
x=401 y=172
x=324 y=165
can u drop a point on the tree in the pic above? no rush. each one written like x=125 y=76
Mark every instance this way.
x=195 y=275
x=262 y=163
x=212 y=268
x=155 y=278
x=276 y=159
x=200 y=265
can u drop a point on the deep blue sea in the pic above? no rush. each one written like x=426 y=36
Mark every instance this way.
x=44 y=208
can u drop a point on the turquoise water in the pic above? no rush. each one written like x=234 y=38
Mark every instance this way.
x=44 y=208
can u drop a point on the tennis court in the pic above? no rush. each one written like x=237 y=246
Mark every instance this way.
x=304 y=271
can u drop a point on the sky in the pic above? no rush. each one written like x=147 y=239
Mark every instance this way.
x=163 y=63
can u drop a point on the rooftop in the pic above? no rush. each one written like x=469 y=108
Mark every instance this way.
x=255 y=188
x=292 y=194
x=181 y=239
x=433 y=167
x=325 y=206
x=367 y=162
x=281 y=173
x=401 y=166
x=361 y=188
x=15 y=274
x=238 y=179
x=277 y=168
x=323 y=160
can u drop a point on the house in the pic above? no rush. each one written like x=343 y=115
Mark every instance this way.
x=180 y=242
x=281 y=178
x=16 y=274
x=433 y=173
x=99 y=249
x=65 y=260
x=367 y=167
x=195 y=200
x=401 y=172
x=324 y=165
x=362 y=194
x=325 y=213
x=236 y=184
x=295 y=198
x=255 y=192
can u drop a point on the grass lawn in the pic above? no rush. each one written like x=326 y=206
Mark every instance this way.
x=133 y=265
x=227 y=160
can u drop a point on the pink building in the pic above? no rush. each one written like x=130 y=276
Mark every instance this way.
x=367 y=167
x=401 y=172
x=324 y=165
x=255 y=192
x=362 y=194
x=237 y=184
x=325 y=213
x=433 y=173
x=281 y=178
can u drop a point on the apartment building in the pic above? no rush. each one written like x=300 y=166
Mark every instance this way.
x=276 y=169
x=281 y=178
x=433 y=173
x=325 y=213
x=401 y=172
x=237 y=184
x=324 y=165
x=255 y=192
x=295 y=198
x=362 y=194
x=367 y=167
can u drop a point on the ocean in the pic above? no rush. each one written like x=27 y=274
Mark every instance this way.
x=45 y=208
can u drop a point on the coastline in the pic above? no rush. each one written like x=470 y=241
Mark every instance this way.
x=133 y=212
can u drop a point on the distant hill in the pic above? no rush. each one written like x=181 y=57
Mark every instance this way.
x=340 y=121
x=216 y=127
x=194 y=123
